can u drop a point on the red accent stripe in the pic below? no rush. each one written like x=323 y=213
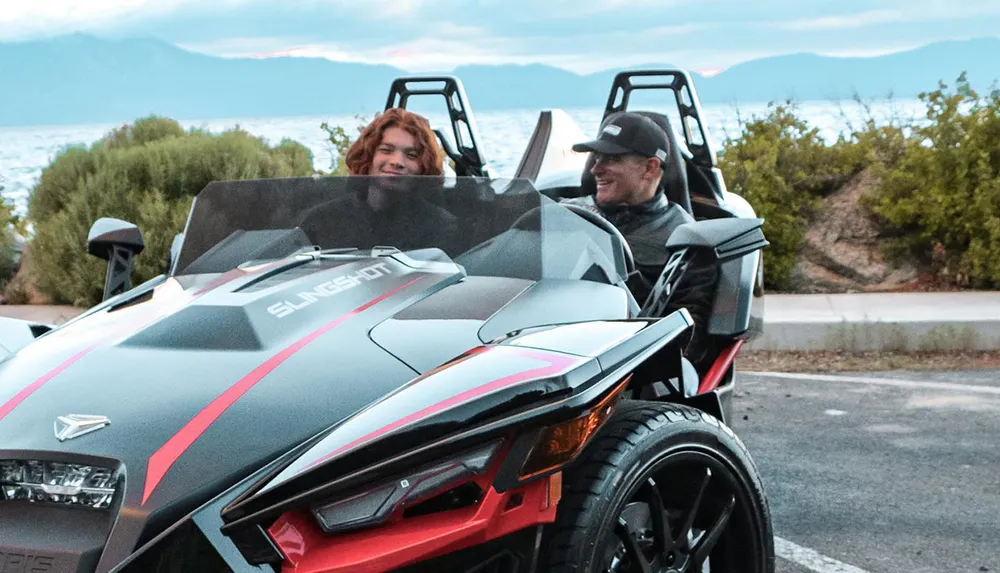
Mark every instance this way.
x=719 y=367
x=161 y=461
x=557 y=363
x=23 y=394
x=31 y=388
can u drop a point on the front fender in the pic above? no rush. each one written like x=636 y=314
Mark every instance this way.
x=527 y=378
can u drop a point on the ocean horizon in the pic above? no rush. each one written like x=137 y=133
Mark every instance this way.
x=26 y=151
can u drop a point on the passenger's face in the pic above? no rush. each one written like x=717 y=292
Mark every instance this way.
x=621 y=179
x=397 y=154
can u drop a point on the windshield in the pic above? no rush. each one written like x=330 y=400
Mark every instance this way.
x=491 y=227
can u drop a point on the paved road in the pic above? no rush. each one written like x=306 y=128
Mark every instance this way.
x=884 y=473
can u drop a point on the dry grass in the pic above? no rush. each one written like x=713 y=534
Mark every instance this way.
x=830 y=361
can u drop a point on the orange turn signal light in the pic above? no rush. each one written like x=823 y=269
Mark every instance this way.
x=560 y=443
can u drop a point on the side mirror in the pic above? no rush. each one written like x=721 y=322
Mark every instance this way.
x=723 y=240
x=115 y=241
x=726 y=239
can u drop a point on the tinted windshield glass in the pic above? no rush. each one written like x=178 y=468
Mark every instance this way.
x=493 y=228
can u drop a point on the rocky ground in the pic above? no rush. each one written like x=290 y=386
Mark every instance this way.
x=21 y=289
x=842 y=250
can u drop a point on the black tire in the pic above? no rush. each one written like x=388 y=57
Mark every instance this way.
x=650 y=450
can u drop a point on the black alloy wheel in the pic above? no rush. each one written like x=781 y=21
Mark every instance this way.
x=662 y=488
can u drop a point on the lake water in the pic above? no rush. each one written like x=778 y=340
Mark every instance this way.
x=25 y=151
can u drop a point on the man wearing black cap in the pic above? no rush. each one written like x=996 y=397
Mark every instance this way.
x=629 y=156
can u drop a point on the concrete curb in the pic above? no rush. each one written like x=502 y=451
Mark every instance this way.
x=881 y=322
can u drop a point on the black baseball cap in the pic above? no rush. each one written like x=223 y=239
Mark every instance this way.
x=629 y=133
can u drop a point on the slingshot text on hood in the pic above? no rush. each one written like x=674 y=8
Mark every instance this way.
x=329 y=288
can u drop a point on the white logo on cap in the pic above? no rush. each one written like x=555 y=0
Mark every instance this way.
x=661 y=155
x=612 y=129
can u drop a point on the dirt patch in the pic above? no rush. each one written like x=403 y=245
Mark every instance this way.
x=842 y=252
x=829 y=361
x=21 y=288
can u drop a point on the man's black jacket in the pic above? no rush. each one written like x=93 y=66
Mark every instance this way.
x=646 y=227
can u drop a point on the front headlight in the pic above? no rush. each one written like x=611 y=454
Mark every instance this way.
x=375 y=505
x=57 y=482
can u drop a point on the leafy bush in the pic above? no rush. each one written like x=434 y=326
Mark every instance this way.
x=61 y=179
x=782 y=166
x=146 y=130
x=8 y=256
x=941 y=197
x=341 y=143
x=938 y=192
x=146 y=173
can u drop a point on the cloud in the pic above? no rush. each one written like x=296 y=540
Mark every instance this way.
x=274 y=47
x=863 y=19
x=932 y=11
x=467 y=45
x=580 y=35
x=25 y=19
x=393 y=9
x=447 y=46
x=576 y=9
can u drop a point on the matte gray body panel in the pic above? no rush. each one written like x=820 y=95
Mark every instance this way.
x=426 y=344
x=552 y=301
x=447 y=323
x=481 y=309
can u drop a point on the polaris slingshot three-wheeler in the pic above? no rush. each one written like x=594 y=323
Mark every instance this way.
x=365 y=374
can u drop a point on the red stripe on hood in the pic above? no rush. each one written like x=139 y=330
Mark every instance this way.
x=557 y=364
x=161 y=461
x=31 y=388
x=23 y=394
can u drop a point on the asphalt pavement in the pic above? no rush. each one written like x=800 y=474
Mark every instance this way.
x=878 y=472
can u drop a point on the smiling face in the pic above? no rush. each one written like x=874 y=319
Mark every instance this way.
x=397 y=154
x=625 y=179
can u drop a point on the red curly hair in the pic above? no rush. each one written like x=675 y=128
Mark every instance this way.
x=362 y=152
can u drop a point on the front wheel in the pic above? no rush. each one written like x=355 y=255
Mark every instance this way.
x=662 y=488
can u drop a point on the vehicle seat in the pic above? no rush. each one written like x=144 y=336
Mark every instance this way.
x=675 y=181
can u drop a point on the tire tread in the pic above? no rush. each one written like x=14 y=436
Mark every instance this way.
x=587 y=478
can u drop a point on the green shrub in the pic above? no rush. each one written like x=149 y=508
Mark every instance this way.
x=146 y=130
x=782 y=166
x=938 y=193
x=940 y=198
x=341 y=143
x=146 y=173
x=61 y=179
x=8 y=260
x=873 y=143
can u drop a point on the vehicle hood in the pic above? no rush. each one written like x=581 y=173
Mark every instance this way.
x=206 y=378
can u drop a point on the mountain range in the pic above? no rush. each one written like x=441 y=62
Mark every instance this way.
x=83 y=79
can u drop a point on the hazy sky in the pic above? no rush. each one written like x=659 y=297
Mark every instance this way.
x=580 y=35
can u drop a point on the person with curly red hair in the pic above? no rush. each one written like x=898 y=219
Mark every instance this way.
x=397 y=142
x=395 y=168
